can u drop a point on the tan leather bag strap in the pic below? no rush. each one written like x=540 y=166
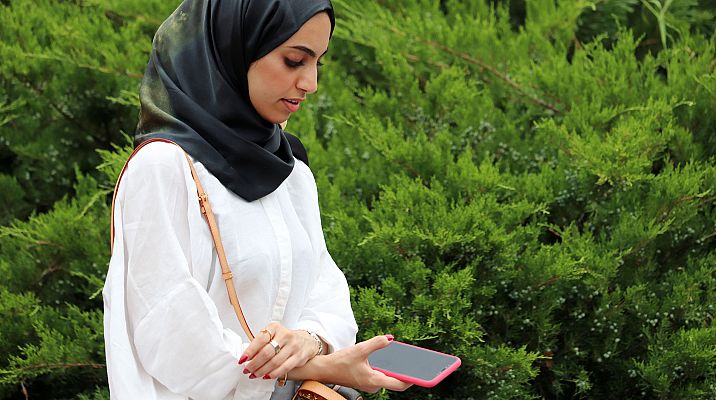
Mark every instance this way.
x=210 y=220
x=314 y=390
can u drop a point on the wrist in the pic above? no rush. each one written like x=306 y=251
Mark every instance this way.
x=322 y=365
x=318 y=369
x=320 y=348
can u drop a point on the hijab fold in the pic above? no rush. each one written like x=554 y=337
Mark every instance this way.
x=195 y=89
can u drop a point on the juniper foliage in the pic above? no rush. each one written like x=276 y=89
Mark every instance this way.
x=528 y=185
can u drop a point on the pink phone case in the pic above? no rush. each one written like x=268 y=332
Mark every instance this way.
x=421 y=382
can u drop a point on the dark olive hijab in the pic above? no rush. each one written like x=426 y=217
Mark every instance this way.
x=195 y=91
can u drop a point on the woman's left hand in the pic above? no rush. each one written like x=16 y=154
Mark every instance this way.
x=295 y=348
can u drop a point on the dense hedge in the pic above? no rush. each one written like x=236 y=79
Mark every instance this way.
x=528 y=185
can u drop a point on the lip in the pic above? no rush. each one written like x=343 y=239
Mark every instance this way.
x=292 y=107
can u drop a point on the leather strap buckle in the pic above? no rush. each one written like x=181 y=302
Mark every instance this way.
x=203 y=199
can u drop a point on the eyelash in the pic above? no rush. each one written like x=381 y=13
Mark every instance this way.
x=295 y=64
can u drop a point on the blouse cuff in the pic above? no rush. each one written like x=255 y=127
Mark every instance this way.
x=317 y=328
x=234 y=343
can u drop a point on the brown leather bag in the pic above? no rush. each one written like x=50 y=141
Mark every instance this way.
x=309 y=390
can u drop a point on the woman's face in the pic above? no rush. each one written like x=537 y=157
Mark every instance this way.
x=280 y=80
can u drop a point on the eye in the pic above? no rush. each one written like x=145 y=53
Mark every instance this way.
x=292 y=63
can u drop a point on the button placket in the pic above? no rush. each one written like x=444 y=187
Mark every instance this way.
x=285 y=251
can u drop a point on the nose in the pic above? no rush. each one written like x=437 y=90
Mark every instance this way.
x=308 y=80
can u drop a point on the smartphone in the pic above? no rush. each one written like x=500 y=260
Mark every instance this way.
x=413 y=364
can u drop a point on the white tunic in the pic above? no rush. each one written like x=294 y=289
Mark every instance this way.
x=170 y=331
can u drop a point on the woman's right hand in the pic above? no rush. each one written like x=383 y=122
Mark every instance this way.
x=295 y=348
x=349 y=367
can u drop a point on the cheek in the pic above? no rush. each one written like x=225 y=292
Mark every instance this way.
x=270 y=81
x=278 y=81
x=262 y=90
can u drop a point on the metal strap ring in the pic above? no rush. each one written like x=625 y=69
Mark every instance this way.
x=275 y=345
x=270 y=333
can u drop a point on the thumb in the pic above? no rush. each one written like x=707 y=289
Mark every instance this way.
x=376 y=343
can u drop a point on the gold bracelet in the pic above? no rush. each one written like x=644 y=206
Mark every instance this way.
x=317 y=339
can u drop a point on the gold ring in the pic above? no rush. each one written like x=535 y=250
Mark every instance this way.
x=282 y=382
x=276 y=346
x=267 y=330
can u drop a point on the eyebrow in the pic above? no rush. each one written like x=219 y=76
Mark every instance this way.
x=306 y=50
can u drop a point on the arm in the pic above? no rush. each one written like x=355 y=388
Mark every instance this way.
x=326 y=309
x=173 y=325
x=349 y=367
x=328 y=303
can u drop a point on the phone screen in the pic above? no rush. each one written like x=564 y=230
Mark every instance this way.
x=428 y=367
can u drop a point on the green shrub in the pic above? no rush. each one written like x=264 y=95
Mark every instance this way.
x=67 y=71
x=530 y=186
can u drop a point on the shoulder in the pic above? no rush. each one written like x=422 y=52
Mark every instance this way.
x=156 y=154
x=156 y=165
x=297 y=148
x=301 y=183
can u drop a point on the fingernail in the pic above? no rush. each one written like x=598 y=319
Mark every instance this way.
x=390 y=337
x=242 y=359
x=267 y=376
x=246 y=371
x=252 y=376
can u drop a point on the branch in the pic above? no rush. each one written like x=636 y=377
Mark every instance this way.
x=57 y=108
x=709 y=236
x=548 y=282
x=484 y=66
x=398 y=248
x=61 y=366
x=48 y=243
x=103 y=70
x=54 y=267
x=670 y=208
x=667 y=212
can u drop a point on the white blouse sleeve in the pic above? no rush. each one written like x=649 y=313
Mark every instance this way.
x=328 y=310
x=177 y=334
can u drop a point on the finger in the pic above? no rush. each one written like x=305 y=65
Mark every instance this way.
x=391 y=383
x=263 y=356
x=296 y=351
x=259 y=342
x=373 y=344
x=280 y=370
x=293 y=348
x=280 y=360
x=254 y=348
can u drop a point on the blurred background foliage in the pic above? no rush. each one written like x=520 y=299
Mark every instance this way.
x=528 y=184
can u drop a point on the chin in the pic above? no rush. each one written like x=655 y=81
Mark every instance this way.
x=275 y=118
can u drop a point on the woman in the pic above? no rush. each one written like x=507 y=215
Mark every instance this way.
x=221 y=77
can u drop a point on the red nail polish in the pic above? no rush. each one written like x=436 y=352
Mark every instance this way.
x=246 y=371
x=267 y=376
x=242 y=359
x=252 y=376
x=390 y=337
